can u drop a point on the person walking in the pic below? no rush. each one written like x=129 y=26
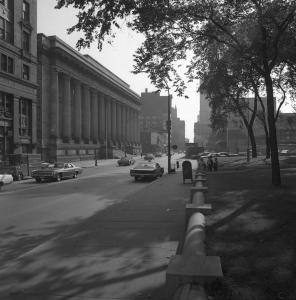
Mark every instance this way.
x=210 y=163
x=215 y=164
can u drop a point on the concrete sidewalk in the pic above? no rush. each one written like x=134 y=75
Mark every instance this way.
x=121 y=252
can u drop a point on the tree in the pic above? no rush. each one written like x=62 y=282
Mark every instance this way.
x=261 y=33
x=226 y=83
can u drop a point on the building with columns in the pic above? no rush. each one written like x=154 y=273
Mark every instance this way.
x=18 y=77
x=83 y=109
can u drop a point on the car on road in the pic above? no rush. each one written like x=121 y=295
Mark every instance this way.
x=57 y=171
x=125 y=161
x=149 y=156
x=223 y=154
x=158 y=154
x=5 y=179
x=15 y=171
x=148 y=170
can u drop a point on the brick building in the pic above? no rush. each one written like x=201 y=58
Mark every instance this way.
x=153 y=123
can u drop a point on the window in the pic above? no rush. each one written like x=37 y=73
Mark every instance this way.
x=25 y=114
x=2 y=29
x=26 y=11
x=6 y=32
x=26 y=72
x=26 y=41
x=6 y=63
x=6 y=104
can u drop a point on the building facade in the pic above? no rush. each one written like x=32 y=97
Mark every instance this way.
x=18 y=77
x=153 y=120
x=202 y=128
x=153 y=124
x=84 y=109
x=178 y=130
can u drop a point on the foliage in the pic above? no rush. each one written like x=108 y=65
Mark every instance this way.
x=259 y=33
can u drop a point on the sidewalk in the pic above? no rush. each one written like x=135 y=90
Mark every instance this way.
x=121 y=252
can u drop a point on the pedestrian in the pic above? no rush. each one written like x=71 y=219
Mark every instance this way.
x=202 y=164
x=141 y=154
x=215 y=164
x=210 y=163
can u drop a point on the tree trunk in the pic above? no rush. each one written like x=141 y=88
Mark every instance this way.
x=267 y=146
x=252 y=141
x=275 y=165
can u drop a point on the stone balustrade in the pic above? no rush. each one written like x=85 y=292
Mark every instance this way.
x=189 y=271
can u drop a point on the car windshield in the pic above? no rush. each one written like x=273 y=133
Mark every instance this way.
x=146 y=165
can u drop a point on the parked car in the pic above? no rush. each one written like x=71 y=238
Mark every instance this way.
x=146 y=170
x=125 y=161
x=57 y=171
x=158 y=154
x=223 y=154
x=284 y=152
x=149 y=156
x=15 y=171
x=5 y=179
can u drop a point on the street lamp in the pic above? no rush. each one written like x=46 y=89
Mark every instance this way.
x=169 y=130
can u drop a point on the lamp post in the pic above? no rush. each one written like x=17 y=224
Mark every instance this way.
x=169 y=130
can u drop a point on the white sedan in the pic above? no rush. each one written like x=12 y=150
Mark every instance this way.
x=5 y=179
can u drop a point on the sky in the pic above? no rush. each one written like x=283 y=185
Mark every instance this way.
x=117 y=57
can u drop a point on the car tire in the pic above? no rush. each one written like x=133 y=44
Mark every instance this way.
x=38 y=179
x=136 y=178
x=59 y=177
x=75 y=175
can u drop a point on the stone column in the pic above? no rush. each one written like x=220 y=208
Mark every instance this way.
x=114 y=127
x=86 y=114
x=123 y=123
x=138 y=127
x=77 y=112
x=118 y=121
x=108 y=117
x=134 y=126
x=102 y=118
x=66 y=108
x=128 y=117
x=94 y=116
x=54 y=104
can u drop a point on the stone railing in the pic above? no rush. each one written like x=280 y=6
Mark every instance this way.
x=188 y=272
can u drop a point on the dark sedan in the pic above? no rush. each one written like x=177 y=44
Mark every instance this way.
x=125 y=161
x=57 y=171
x=149 y=170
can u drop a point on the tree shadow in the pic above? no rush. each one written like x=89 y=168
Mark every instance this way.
x=121 y=251
x=252 y=229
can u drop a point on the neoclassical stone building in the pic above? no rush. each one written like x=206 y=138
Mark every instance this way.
x=83 y=109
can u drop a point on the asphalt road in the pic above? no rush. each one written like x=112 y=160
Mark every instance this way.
x=31 y=213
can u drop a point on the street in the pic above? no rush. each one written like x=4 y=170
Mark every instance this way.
x=34 y=218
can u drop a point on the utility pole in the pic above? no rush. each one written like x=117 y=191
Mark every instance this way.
x=169 y=130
